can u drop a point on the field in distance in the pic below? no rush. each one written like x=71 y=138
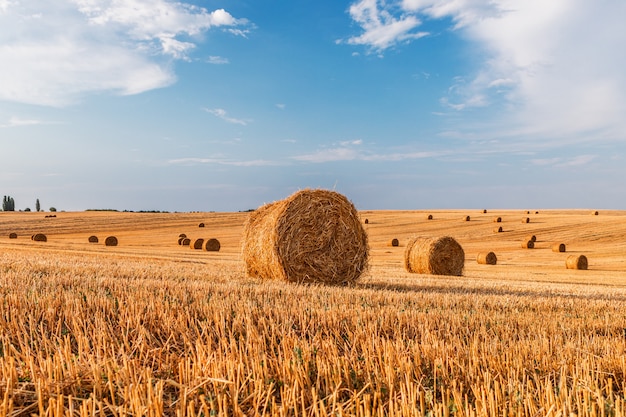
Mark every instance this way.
x=150 y=327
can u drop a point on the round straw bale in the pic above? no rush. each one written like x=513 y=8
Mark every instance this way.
x=466 y=218
x=212 y=245
x=484 y=211
x=531 y=237
x=429 y=217
x=93 y=239
x=394 y=242
x=312 y=236
x=498 y=229
x=576 y=262
x=558 y=247
x=182 y=235
x=487 y=258
x=594 y=213
x=536 y=212
x=438 y=256
x=367 y=221
x=529 y=244
x=527 y=211
x=13 y=235
x=201 y=225
x=110 y=241
x=497 y=219
x=40 y=237
x=181 y=240
x=186 y=241
x=525 y=220
x=197 y=244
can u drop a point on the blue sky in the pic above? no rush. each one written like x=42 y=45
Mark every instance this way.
x=398 y=104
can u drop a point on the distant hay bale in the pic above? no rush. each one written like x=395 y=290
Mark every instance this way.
x=525 y=220
x=312 y=236
x=367 y=221
x=40 y=237
x=201 y=225
x=497 y=219
x=487 y=258
x=558 y=247
x=110 y=241
x=197 y=244
x=182 y=235
x=212 y=245
x=466 y=218
x=536 y=212
x=527 y=211
x=93 y=239
x=437 y=256
x=531 y=237
x=594 y=213
x=12 y=235
x=186 y=241
x=484 y=211
x=394 y=242
x=576 y=262
x=181 y=240
x=429 y=217
x=529 y=244
x=498 y=229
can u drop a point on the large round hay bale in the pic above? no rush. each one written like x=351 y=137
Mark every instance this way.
x=528 y=244
x=394 y=242
x=93 y=239
x=110 y=241
x=40 y=237
x=186 y=241
x=497 y=219
x=13 y=235
x=438 y=256
x=212 y=245
x=487 y=258
x=312 y=236
x=576 y=262
x=558 y=247
x=197 y=244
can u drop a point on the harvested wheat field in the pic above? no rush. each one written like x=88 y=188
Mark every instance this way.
x=152 y=328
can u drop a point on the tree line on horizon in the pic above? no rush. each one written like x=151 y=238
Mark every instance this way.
x=8 y=204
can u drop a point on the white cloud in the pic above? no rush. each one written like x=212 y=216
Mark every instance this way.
x=222 y=114
x=352 y=151
x=381 y=29
x=217 y=60
x=222 y=161
x=53 y=53
x=18 y=122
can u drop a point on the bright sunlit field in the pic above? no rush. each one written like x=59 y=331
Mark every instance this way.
x=150 y=327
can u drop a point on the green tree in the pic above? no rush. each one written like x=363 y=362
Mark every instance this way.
x=8 y=204
x=53 y=209
x=37 y=205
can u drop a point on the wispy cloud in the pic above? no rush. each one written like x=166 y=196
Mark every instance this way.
x=562 y=162
x=18 y=122
x=217 y=60
x=223 y=161
x=222 y=114
x=53 y=53
x=353 y=151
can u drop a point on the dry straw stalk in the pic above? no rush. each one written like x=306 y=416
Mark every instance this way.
x=487 y=258
x=313 y=236
x=437 y=256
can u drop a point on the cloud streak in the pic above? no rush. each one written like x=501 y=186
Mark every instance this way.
x=222 y=114
x=54 y=53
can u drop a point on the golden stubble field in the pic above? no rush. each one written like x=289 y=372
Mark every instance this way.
x=152 y=328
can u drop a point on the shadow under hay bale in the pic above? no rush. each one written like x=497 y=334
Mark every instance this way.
x=487 y=258
x=438 y=256
x=558 y=247
x=212 y=245
x=197 y=244
x=110 y=241
x=498 y=229
x=529 y=244
x=40 y=237
x=12 y=235
x=394 y=242
x=93 y=239
x=576 y=262
x=312 y=236
x=497 y=219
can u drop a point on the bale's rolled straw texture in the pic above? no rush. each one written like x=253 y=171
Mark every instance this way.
x=110 y=241
x=197 y=244
x=558 y=247
x=313 y=236
x=529 y=244
x=394 y=242
x=40 y=237
x=212 y=245
x=93 y=239
x=438 y=256
x=13 y=235
x=487 y=258
x=576 y=262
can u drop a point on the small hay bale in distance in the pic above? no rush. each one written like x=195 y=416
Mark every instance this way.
x=212 y=245
x=92 y=239
x=429 y=217
x=525 y=219
x=13 y=235
x=40 y=237
x=367 y=221
x=466 y=218
x=181 y=240
x=497 y=219
x=201 y=225
x=186 y=241
x=558 y=247
x=394 y=242
x=197 y=244
x=487 y=258
x=528 y=244
x=110 y=241
x=312 y=236
x=182 y=235
x=594 y=213
x=434 y=255
x=498 y=229
x=576 y=262
x=531 y=237
x=484 y=211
